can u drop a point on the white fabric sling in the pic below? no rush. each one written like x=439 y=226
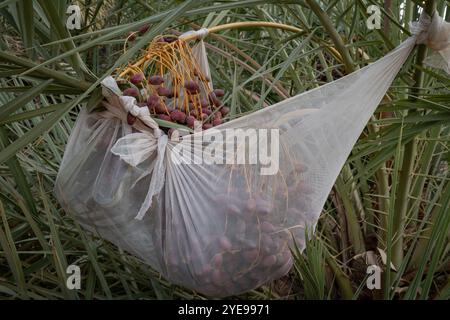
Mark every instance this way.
x=216 y=225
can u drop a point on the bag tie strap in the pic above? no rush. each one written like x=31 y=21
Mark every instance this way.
x=137 y=147
x=199 y=34
x=434 y=32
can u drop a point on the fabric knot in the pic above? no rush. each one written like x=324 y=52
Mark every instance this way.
x=202 y=33
x=420 y=28
x=143 y=111
x=134 y=110
x=434 y=32
x=198 y=34
x=130 y=105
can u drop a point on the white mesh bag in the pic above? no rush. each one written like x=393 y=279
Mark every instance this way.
x=192 y=208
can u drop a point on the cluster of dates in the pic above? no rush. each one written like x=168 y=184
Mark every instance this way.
x=250 y=249
x=186 y=102
x=250 y=241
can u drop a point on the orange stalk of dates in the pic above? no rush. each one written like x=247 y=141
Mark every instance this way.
x=169 y=81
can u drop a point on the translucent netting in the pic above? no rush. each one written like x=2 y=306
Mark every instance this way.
x=220 y=229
